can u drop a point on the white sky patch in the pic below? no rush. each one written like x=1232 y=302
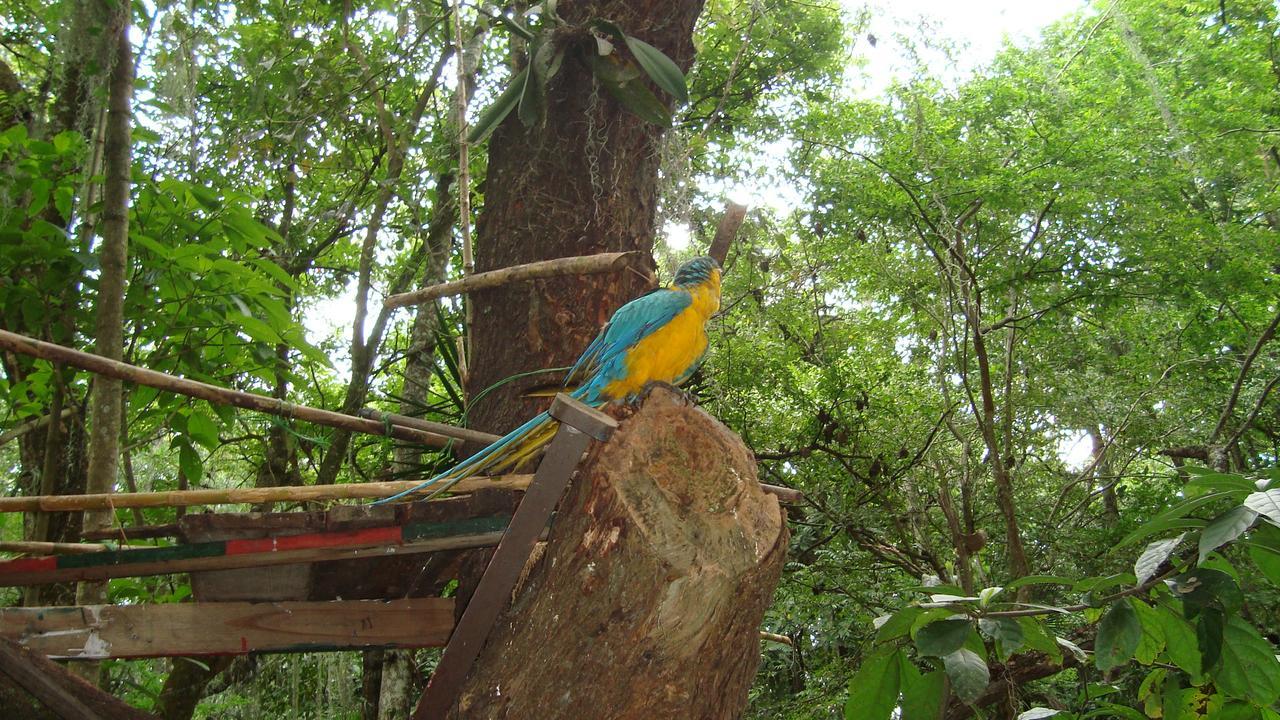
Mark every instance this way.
x=677 y=235
x=978 y=27
x=1075 y=450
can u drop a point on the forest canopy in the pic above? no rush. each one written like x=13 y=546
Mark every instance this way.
x=1012 y=333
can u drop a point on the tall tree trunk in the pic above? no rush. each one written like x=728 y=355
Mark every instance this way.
x=585 y=181
x=107 y=397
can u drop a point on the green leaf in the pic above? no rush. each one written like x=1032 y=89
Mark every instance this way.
x=873 y=690
x=1249 y=669
x=1236 y=710
x=1225 y=528
x=1006 y=631
x=968 y=673
x=1118 y=636
x=63 y=197
x=922 y=695
x=39 y=190
x=1180 y=641
x=897 y=624
x=640 y=100
x=1176 y=516
x=1113 y=712
x=611 y=68
x=1265 y=503
x=205 y=196
x=943 y=637
x=493 y=115
x=203 y=430
x=1265 y=552
x=1152 y=633
x=1209 y=629
x=1223 y=482
x=1205 y=587
x=515 y=27
x=1035 y=637
x=661 y=69
x=1149 y=562
x=255 y=328
x=533 y=98
x=151 y=245
x=1039 y=580
x=190 y=464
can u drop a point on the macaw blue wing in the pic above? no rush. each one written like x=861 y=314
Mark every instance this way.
x=605 y=358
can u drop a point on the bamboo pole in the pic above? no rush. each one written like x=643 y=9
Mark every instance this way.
x=51 y=548
x=287 y=493
x=466 y=434
x=580 y=265
x=249 y=401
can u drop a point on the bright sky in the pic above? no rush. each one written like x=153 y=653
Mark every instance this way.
x=978 y=28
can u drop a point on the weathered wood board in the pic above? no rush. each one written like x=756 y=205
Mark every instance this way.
x=225 y=554
x=232 y=628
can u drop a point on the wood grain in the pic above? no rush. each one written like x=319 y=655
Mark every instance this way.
x=231 y=628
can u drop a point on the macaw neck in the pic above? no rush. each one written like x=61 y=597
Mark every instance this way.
x=706 y=295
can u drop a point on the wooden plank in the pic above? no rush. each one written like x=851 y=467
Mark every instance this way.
x=99 y=632
x=226 y=554
x=285 y=493
x=529 y=521
x=43 y=688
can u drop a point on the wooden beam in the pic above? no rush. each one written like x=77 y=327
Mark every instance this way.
x=287 y=493
x=50 y=548
x=580 y=265
x=99 y=632
x=259 y=552
x=61 y=692
x=49 y=693
x=226 y=396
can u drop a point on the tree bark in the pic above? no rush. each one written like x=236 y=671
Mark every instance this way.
x=648 y=598
x=583 y=182
x=107 y=397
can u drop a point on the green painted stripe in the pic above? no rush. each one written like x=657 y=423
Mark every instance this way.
x=132 y=557
x=470 y=526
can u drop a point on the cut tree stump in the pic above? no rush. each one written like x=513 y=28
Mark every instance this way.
x=648 y=598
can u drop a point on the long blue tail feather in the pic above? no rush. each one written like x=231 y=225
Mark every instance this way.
x=494 y=454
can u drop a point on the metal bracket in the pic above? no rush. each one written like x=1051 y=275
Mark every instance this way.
x=579 y=424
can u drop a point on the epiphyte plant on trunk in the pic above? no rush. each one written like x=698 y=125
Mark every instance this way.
x=596 y=43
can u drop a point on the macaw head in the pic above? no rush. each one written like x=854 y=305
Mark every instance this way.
x=697 y=271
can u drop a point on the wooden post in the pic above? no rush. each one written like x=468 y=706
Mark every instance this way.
x=578 y=425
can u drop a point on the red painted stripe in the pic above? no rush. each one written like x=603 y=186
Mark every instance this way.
x=29 y=565
x=371 y=536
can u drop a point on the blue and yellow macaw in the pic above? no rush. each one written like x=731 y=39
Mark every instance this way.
x=658 y=337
